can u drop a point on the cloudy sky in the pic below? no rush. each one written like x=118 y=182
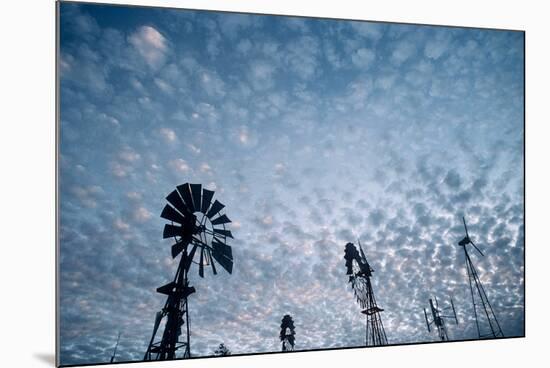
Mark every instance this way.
x=313 y=133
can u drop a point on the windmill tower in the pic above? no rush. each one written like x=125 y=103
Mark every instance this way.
x=360 y=272
x=198 y=229
x=486 y=320
x=287 y=333
x=438 y=319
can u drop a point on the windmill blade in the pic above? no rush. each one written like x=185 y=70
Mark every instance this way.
x=223 y=219
x=201 y=264
x=196 y=190
x=480 y=252
x=171 y=231
x=190 y=257
x=177 y=248
x=209 y=254
x=223 y=254
x=176 y=201
x=185 y=193
x=216 y=207
x=225 y=233
x=465 y=227
x=426 y=317
x=222 y=248
x=206 y=199
x=171 y=214
x=223 y=261
x=350 y=253
x=454 y=311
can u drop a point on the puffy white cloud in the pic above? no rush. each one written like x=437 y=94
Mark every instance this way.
x=169 y=135
x=180 y=165
x=439 y=44
x=150 y=44
x=402 y=51
x=261 y=74
x=129 y=155
x=363 y=58
x=141 y=214
x=369 y=30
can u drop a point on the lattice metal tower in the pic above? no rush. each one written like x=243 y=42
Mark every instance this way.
x=360 y=272
x=438 y=319
x=287 y=335
x=198 y=228
x=486 y=320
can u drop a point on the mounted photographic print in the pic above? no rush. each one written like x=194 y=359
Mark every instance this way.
x=235 y=184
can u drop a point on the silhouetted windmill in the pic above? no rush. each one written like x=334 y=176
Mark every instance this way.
x=360 y=272
x=478 y=292
x=199 y=230
x=222 y=350
x=438 y=319
x=287 y=333
x=115 y=349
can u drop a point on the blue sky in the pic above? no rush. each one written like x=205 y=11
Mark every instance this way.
x=313 y=133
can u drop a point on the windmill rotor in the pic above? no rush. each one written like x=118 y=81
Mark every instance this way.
x=467 y=240
x=287 y=334
x=438 y=318
x=199 y=226
x=358 y=270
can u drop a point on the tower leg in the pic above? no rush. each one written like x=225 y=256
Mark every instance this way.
x=476 y=289
x=176 y=312
x=375 y=333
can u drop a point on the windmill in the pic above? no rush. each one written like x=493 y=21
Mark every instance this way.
x=287 y=333
x=483 y=312
x=438 y=319
x=360 y=272
x=198 y=228
x=222 y=350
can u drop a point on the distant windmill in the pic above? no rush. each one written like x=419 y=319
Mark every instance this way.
x=360 y=272
x=482 y=308
x=114 y=351
x=198 y=229
x=287 y=333
x=438 y=319
x=222 y=350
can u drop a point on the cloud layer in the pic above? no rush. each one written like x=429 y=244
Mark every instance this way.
x=313 y=133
